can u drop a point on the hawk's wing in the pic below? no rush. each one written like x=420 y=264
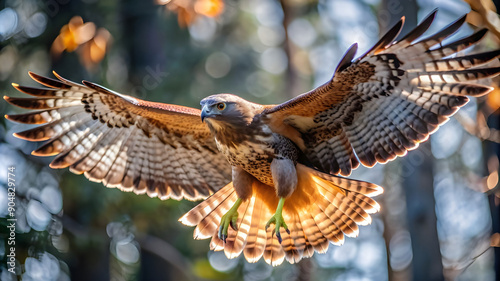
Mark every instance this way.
x=384 y=103
x=159 y=149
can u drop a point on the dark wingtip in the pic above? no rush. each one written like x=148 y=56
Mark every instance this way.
x=14 y=118
x=459 y=22
x=19 y=135
x=447 y=31
x=62 y=79
x=25 y=90
x=421 y=27
x=34 y=76
x=431 y=15
x=18 y=118
x=396 y=29
x=347 y=58
x=92 y=85
x=8 y=99
x=480 y=34
x=387 y=39
x=101 y=89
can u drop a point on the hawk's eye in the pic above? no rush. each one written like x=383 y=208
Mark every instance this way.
x=221 y=106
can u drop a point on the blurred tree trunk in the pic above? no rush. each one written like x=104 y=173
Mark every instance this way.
x=294 y=84
x=144 y=44
x=422 y=222
x=417 y=173
x=143 y=40
x=294 y=87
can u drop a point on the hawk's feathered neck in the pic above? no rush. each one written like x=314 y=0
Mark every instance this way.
x=233 y=131
x=241 y=120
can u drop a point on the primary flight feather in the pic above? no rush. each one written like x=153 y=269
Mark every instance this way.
x=265 y=165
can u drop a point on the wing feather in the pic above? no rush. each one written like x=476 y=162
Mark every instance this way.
x=146 y=147
x=387 y=101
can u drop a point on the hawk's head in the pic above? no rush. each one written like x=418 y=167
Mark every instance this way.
x=224 y=110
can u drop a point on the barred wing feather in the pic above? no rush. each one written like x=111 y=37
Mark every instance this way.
x=159 y=149
x=387 y=101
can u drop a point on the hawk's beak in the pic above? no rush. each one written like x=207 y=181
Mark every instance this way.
x=204 y=112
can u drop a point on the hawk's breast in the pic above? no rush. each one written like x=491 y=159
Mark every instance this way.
x=254 y=155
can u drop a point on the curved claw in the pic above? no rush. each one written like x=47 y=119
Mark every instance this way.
x=278 y=221
x=229 y=219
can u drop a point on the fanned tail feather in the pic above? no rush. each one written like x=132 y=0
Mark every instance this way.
x=322 y=209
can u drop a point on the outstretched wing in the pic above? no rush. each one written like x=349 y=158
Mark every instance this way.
x=386 y=102
x=160 y=149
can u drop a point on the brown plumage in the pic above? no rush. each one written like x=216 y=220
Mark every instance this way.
x=375 y=108
x=323 y=208
x=159 y=149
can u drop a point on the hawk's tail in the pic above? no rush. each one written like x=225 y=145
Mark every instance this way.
x=322 y=209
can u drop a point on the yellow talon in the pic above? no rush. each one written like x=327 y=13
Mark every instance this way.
x=229 y=219
x=278 y=221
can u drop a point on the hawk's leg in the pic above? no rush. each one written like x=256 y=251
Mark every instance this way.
x=278 y=220
x=242 y=183
x=285 y=181
x=229 y=219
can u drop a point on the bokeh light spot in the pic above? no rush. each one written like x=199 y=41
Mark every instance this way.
x=259 y=84
x=3 y=202
x=203 y=29
x=127 y=251
x=302 y=33
x=401 y=253
x=218 y=65
x=209 y=8
x=271 y=36
x=274 y=60
x=37 y=216
x=8 y=23
x=35 y=25
x=492 y=180
x=44 y=268
x=52 y=199
x=220 y=263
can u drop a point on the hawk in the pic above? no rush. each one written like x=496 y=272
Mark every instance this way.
x=261 y=165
